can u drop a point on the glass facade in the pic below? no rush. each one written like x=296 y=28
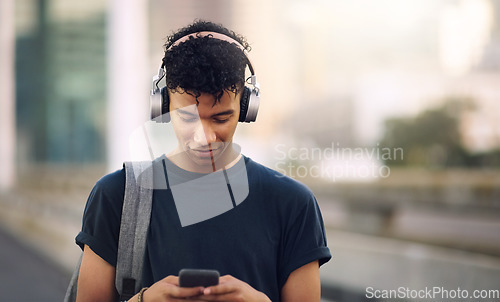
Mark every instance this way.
x=61 y=87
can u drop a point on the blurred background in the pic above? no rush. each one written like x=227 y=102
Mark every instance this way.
x=389 y=110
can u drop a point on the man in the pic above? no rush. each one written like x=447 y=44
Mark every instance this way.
x=268 y=245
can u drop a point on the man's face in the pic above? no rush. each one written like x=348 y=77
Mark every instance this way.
x=204 y=131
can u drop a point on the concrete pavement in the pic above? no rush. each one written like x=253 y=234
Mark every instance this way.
x=26 y=276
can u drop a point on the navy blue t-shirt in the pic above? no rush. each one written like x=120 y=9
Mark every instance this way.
x=276 y=229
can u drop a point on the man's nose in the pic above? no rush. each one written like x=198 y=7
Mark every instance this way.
x=204 y=134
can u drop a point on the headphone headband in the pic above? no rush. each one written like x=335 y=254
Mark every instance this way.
x=201 y=34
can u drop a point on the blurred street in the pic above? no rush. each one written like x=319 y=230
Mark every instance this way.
x=26 y=276
x=420 y=247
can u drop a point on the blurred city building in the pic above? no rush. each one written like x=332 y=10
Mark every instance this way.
x=60 y=81
x=314 y=64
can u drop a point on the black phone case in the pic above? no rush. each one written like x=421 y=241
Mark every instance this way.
x=198 y=277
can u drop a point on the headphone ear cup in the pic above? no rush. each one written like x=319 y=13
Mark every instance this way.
x=249 y=104
x=165 y=105
x=245 y=98
x=155 y=104
x=159 y=105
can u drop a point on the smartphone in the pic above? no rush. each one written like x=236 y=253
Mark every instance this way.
x=198 y=277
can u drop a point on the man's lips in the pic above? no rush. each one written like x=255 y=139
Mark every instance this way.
x=205 y=152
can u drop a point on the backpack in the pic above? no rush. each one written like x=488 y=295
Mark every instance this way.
x=134 y=225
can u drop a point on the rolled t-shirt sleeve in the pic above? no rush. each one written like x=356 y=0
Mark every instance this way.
x=102 y=215
x=305 y=239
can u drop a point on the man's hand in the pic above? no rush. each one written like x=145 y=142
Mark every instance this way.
x=231 y=289
x=167 y=290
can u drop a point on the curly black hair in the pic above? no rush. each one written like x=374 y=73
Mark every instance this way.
x=205 y=64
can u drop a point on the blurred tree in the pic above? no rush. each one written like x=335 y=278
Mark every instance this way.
x=432 y=138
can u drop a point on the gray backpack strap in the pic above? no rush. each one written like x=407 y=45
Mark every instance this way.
x=136 y=215
x=134 y=226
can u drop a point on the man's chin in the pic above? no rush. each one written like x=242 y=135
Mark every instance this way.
x=204 y=158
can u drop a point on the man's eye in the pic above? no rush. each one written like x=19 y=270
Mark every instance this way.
x=222 y=121
x=188 y=119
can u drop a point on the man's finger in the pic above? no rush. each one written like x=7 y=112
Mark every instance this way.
x=226 y=278
x=172 y=280
x=185 y=292
x=224 y=297
x=223 y=288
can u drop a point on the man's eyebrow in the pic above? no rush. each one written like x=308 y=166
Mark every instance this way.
x=227 y=112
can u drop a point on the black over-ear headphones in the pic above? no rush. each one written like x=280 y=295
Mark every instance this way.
x=250 y=96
